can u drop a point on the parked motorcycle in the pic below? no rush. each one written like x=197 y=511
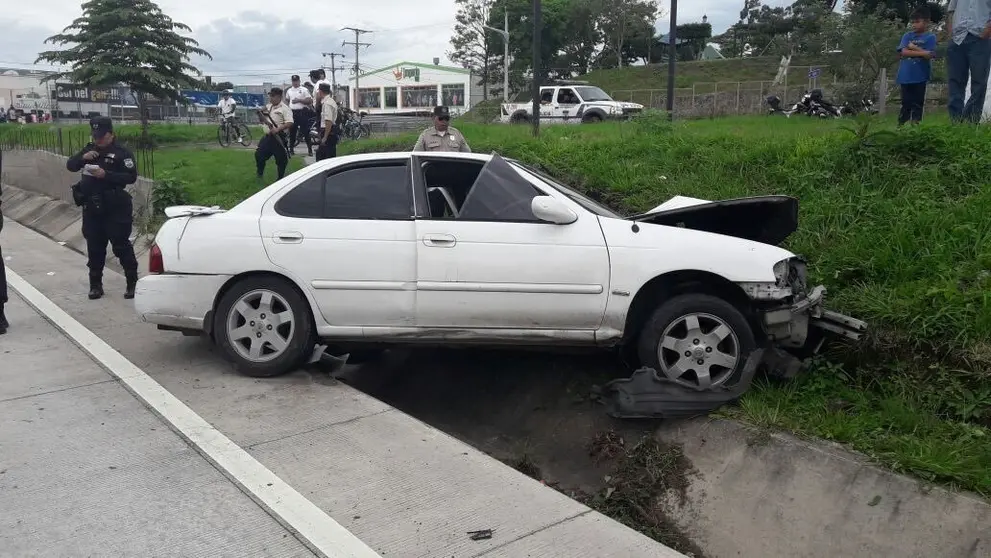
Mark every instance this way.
x=856 y=107
x=812 y=104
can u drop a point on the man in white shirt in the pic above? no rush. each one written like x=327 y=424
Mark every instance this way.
x=301 y=104
x=277 y=120
x=227 y=105
x=329 y=132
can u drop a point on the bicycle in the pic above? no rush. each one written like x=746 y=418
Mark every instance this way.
x=353 y=129
x=232 y=127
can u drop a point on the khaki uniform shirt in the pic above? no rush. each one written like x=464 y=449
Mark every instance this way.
x=328 y=111
x=450 y=140
x=280 y=114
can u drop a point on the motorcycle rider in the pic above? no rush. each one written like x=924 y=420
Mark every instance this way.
x=107 y=168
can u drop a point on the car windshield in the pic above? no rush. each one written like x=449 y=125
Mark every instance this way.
x=591 y=205
x=592 y=94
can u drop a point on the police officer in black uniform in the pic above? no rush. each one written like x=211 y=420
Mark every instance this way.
x=3 y=288
x=108 y=168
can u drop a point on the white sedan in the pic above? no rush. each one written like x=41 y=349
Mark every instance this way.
x=456 y=248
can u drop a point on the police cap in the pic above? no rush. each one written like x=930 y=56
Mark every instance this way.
x=442 y=112
x=101 y=126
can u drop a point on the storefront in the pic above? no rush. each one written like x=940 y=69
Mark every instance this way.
x=411 y=88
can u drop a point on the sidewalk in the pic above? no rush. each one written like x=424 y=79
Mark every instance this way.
x=370 y=471
x=87 y=470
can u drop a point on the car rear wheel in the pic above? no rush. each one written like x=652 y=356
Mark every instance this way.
x=264 y=327
x=698 y=341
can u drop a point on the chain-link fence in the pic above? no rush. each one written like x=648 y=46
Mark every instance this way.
x=706 y=100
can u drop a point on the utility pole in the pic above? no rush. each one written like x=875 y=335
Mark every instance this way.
x=672 y=57
x=333 y=67
x=357 y=45
x=505 y=57
x=538 y=26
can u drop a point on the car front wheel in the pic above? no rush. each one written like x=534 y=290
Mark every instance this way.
x=264 y=327
x=697 y=340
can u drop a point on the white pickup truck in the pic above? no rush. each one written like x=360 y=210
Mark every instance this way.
x=570 y=104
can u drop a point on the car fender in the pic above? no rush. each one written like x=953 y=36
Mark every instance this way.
x=640 y=252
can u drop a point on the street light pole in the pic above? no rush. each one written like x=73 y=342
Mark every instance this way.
x=504 y=33
x=672 y=57
x=537 y=28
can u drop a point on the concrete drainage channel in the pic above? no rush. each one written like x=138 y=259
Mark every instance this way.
x=705 y=487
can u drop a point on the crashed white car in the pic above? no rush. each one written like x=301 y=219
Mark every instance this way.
x=378 y=250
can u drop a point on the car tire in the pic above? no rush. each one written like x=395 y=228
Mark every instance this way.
x=593 y=119
x=264 y=326
x=697 y=328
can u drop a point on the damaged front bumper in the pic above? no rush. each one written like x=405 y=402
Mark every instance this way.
x=796 y=332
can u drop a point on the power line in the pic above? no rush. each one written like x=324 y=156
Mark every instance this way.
x=333 y=68
x=357 y=47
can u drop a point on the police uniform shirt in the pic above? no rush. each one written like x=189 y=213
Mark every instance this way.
x=296 y=94
x=280 y=113
x=449 y=140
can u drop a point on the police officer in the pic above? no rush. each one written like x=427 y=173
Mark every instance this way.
x=442 y=137
x=277 y=119
x=329 y=131
x=107 y=168
x=3 y=285
x=301 y=103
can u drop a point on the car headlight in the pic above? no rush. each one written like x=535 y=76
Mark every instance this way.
x=791 y=272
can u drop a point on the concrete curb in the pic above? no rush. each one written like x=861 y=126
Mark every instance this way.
x=63 y=222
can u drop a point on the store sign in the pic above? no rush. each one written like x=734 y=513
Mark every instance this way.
x=402 y=73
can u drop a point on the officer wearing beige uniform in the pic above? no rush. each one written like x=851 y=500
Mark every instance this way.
x=442 y=137
x=277 y=119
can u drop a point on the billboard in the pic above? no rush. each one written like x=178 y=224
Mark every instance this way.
x=211 y=98
x=119 y=95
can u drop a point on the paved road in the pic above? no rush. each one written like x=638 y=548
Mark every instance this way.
x=334 y=466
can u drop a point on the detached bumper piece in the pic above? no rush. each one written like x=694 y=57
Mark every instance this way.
x=647 y=394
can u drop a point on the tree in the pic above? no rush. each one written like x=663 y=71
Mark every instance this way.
x=472 y=44
x=866 y=44
x=618 y=20
x=130 y=42
x=897 y=10
x=696 y=36
x=223 y=86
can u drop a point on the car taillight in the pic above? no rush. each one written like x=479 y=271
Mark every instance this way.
x=155 y=263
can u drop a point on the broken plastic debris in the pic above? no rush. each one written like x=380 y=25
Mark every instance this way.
x=50 y=273
x=480 y=535
x=61 y=243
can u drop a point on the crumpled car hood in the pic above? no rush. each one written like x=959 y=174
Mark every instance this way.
x=765 y=219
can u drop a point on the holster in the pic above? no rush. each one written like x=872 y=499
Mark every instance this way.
x=78 y=197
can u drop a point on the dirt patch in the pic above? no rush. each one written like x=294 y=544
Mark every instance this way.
x=534 y=411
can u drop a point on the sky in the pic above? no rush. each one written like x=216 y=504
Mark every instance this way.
x=251 y=42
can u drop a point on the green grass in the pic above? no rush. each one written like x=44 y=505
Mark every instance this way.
x=221 y=177
x=76 y=135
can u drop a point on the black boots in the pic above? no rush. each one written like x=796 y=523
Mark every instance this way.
x=4 y=325
x=95 y=288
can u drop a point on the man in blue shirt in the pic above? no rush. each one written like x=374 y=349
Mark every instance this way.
x=969 y=54
x=916 y=48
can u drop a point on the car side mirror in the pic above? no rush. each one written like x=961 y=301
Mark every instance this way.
x=552 y=210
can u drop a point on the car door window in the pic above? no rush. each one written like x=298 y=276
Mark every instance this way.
x=567 y=97
x=305 y=201
x=374 y=192
x=547 y=96
x=499 y=194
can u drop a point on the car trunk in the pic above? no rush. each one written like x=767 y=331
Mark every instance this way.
x=766 y=219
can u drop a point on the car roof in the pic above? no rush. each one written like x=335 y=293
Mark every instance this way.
x=384 y=156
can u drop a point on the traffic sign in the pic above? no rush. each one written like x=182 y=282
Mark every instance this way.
x=814 y=73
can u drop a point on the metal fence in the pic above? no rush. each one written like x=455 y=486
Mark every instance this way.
x=69 y=142
x=706 y=100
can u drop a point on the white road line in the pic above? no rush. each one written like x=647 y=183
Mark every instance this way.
x=309 y=523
